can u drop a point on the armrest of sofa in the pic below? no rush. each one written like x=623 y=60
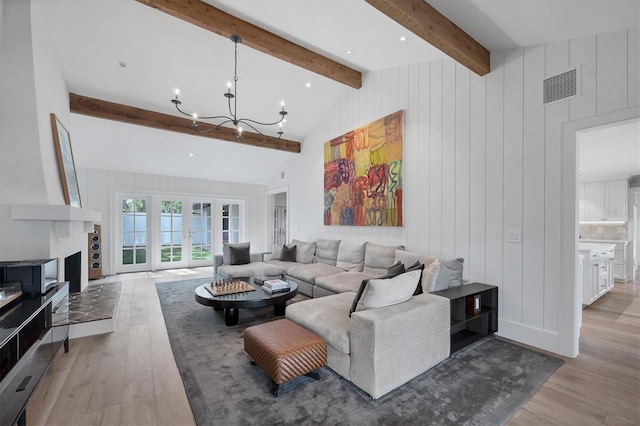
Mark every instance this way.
x=392 y=345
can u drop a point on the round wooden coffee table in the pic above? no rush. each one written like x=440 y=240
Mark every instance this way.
x=231 y=303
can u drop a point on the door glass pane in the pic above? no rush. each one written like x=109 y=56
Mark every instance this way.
x=134 y=231
x=170 y=231
x=201 y=231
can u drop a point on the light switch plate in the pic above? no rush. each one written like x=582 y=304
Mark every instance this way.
x=514 y=235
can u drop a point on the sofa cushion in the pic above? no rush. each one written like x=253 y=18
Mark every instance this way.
x=226 y=251
x=450 y=274
x=351 y=256
x=342 y=282
x=304 y=251
x=327 y=251
x=288 y=254
x=430 y=277
x=409 y=258
x=379 y=293
x=310 y=272
x=282 y=264
x=327 y=317
x=240 y=255
x=378 y=258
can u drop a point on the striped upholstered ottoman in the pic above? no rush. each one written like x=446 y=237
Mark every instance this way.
x=285 y=351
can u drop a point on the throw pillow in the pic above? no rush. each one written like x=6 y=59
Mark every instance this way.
x=289 y=254
x=354 y=305
x=417 y=267
x=226 y=251
x=430 y=277
x=378 y=293
x=240 y=255
x=395 y=269
x=450 y=274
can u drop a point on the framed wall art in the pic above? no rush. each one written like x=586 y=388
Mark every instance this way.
x=363 y=175
x=66 y=164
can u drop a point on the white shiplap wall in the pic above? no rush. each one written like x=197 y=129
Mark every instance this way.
x=482 y=156
x=98 y=189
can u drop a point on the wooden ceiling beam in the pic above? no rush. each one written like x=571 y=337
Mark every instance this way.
x=215 y=20
x=422 y=19
x=141 y=117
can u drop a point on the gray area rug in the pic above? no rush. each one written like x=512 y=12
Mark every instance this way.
x=483 y=384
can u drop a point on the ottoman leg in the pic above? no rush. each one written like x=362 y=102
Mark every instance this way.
x=276 y=389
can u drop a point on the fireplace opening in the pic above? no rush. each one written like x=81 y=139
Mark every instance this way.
x=73 y=271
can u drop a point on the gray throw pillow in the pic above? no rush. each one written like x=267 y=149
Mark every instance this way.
x=288 y=254
x=240 y=255
x=226 y=251
x=450 y=274
x=395 y=269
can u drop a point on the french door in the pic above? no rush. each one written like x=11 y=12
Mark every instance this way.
x=164 y=232
x=134 y=236
x=185 y=233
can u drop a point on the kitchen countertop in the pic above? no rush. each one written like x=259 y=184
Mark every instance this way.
x=603 y=241
x=588 y=246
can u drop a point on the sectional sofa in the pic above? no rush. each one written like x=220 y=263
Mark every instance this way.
x=325 y=267
x=381 y=324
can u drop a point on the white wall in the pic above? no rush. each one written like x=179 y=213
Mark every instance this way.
x=98 y=189
x=482 y=156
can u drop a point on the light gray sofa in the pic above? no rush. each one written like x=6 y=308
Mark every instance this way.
x=378 y=349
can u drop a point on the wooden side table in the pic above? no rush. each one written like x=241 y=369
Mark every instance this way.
x=474 y=313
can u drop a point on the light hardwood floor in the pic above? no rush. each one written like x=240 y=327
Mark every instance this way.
x=129 y=377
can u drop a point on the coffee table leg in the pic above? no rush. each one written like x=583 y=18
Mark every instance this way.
x=279 y=308
x=230 y=316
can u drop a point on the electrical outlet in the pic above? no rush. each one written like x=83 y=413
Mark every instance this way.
x=621 y=230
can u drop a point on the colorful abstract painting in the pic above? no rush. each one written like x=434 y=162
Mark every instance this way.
x=363 y=175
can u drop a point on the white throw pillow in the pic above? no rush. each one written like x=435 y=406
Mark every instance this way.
x=379 y=293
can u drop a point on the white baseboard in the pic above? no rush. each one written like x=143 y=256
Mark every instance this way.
x=547 y=340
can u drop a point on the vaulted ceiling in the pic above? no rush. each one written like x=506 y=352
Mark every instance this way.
x=125 y=52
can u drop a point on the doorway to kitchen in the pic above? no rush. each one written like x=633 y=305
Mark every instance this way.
x=570 y=304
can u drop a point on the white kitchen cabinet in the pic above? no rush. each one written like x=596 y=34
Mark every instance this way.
x=582 y=202
x=603 y=201
x=623 y=258
x=597 y=276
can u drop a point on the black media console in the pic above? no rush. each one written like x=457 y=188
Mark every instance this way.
x=31 y=332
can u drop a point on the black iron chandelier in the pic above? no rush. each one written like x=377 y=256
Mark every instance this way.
x=233 y=116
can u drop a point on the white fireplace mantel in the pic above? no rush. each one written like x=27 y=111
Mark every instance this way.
x=62 y=216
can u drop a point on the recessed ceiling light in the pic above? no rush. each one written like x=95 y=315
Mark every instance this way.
x=191 y=154
x=403 y=38
x=308 y=84
x=122 y=64
x=348 y=52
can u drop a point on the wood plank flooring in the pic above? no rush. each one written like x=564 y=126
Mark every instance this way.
x=602 y=385
x=129 y=377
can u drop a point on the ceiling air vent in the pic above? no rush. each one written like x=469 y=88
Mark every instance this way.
x=561 y=86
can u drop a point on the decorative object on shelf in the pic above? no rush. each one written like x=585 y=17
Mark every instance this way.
x=65 y=163
x=473 y=304
x=233 y=116
x=363 y=175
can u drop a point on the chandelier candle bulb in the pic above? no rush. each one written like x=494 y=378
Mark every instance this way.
x=232 y=118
